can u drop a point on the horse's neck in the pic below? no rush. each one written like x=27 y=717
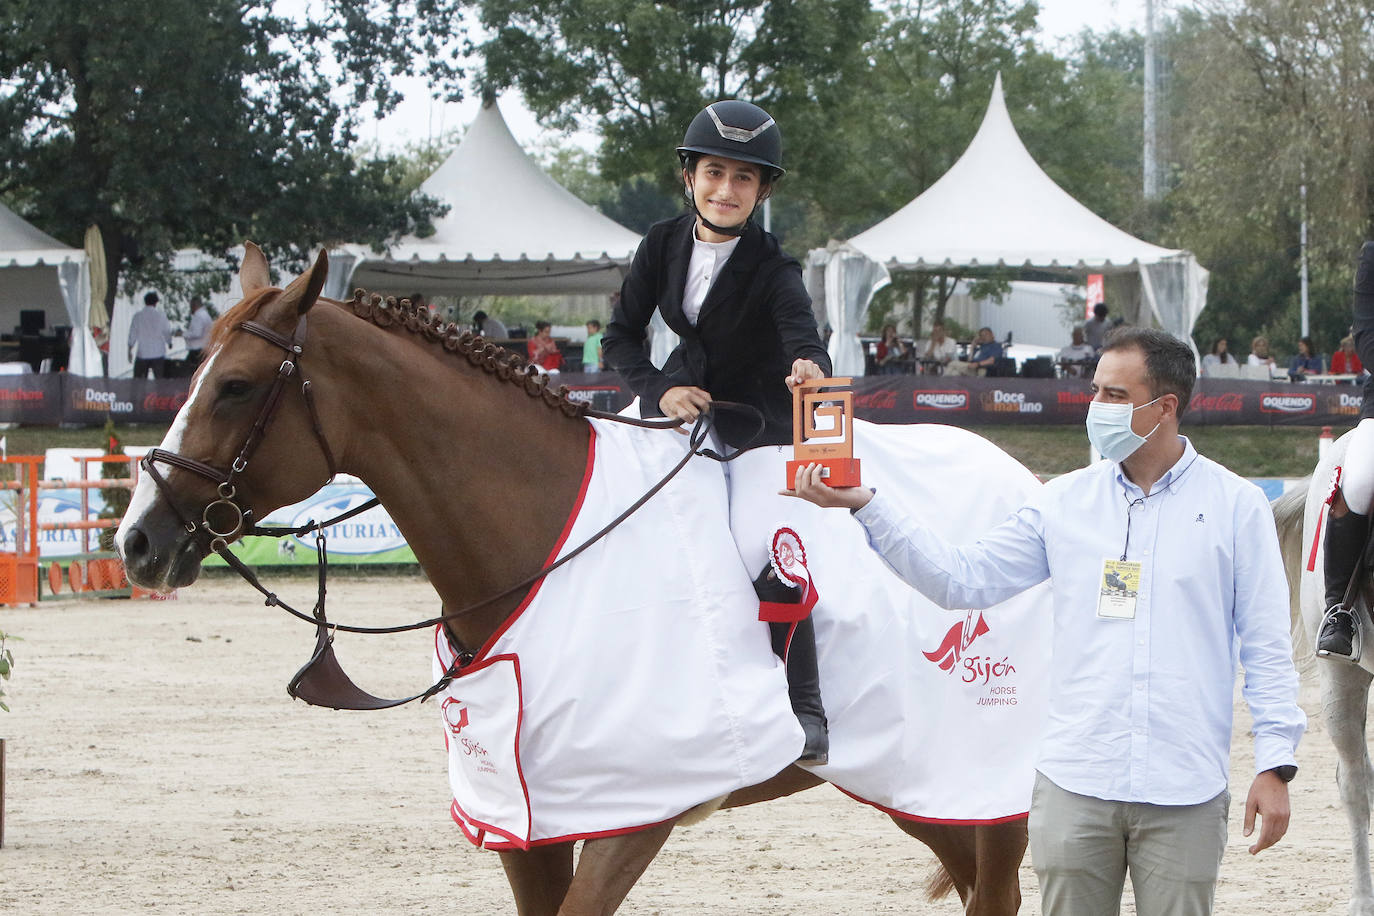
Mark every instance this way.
x=479 y=476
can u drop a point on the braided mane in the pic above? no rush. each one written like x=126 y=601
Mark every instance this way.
x=498 y=361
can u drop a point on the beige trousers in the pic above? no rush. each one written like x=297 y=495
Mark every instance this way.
x=1082 y=848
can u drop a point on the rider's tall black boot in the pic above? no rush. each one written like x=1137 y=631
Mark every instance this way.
x=803 y=676
x=804 y=686
x=1345 y=539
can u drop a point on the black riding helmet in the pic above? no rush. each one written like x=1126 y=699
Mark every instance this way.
x=735 y=130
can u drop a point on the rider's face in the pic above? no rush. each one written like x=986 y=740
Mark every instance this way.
x=725 y=190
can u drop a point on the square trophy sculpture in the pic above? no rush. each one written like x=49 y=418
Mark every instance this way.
x=823 y=431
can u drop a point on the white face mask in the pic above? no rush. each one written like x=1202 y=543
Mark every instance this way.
x=1109 y=429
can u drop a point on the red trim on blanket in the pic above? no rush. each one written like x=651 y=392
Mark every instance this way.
x=958 y=822
x=500 y=846
x=442 y=647
x=553 y=554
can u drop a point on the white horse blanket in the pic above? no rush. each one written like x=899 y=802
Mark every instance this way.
x=636 y=682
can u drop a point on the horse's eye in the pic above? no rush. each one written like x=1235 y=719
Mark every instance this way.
x=234 y=388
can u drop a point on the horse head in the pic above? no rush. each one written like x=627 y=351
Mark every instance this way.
x=219 y=467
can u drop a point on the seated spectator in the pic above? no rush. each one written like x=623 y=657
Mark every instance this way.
x=1346 y=361
x=1077 y=355
x=488 y=327
x=984 y=355
x=543 y=349
x=892 y=352
x=1219 y=356
x=1305 y=363
x=937 y=352
x=1259 y=353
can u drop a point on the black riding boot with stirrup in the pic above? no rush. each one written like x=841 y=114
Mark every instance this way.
x=803 y=673
x=1339 y=636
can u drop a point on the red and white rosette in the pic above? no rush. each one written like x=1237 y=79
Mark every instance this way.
x=787 y=554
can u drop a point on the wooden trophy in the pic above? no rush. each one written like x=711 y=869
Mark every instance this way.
x=829 y=443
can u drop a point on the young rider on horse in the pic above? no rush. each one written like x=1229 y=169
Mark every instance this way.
x=1352 y=492
x=748 y=333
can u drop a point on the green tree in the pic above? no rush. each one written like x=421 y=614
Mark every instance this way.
x=198 y=123
x=1275 y=96
x=639 y=70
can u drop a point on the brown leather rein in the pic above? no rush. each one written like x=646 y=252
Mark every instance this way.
x=321 y=681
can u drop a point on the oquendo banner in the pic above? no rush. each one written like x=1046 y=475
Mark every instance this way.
x=56 y=398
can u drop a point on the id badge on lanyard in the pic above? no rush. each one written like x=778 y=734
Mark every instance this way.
x=1117 y=589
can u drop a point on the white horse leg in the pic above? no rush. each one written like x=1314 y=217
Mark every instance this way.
x=1345 y=699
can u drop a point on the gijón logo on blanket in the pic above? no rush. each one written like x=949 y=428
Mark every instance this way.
x=981 y=670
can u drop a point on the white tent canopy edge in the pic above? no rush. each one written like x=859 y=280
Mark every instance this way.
x=510 y=229
x=996 y=207
x=35 y=267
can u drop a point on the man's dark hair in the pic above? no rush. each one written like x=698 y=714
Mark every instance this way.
x=479 y=317
x=1100 y=310
x=593 y=323
x=150 y=299
x=1169 y=364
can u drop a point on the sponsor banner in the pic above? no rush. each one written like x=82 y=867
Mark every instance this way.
x=371 y=537
x=63 y=398
x=988 y=401
x=91 y=401
x=33 y=399
x=970 y=401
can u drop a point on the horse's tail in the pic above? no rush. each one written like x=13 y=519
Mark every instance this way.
x=939 y=883
x=1289 y=510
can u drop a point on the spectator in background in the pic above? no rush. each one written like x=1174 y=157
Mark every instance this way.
x=1077 y=354
x=892 y=352
x=197 y=333
x=150 y=333
x=1259 y=353
x=1095 y=328
x=488 y=327
x=591 y=350
x=543 y=349
x=938 y=351
x=986 y=352
x=1305 y=363
x=1346 y=361
x=1220 y=355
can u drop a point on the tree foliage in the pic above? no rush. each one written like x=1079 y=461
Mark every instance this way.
x=1278 y=95
x=199 y=123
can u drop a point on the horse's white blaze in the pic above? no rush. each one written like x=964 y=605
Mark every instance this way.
x=146 y=492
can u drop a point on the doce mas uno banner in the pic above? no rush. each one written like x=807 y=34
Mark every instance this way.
x=371 y=537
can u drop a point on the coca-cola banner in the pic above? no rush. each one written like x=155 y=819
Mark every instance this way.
x=62 y=398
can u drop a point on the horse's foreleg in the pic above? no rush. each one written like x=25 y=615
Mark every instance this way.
x=609 y=867
x=1345 y=698
x=539 y=878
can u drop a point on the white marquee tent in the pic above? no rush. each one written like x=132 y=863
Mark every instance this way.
x=37 y=272
x=997 y=207
x=510 y=229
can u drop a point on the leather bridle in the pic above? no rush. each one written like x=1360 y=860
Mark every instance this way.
x=234 y=516
x=322 y=681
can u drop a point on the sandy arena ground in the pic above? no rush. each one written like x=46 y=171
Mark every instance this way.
x=156 y=765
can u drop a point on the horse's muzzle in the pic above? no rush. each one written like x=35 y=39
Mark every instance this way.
x=159 y=558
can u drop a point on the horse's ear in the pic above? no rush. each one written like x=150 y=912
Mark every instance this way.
x=253 y=272
x=305 y=289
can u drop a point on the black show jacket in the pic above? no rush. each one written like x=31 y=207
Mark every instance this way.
x=755 y=321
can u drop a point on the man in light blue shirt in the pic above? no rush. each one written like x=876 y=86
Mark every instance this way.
x=1165 y=571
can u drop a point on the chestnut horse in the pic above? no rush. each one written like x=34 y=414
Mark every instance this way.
x=449 y=401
